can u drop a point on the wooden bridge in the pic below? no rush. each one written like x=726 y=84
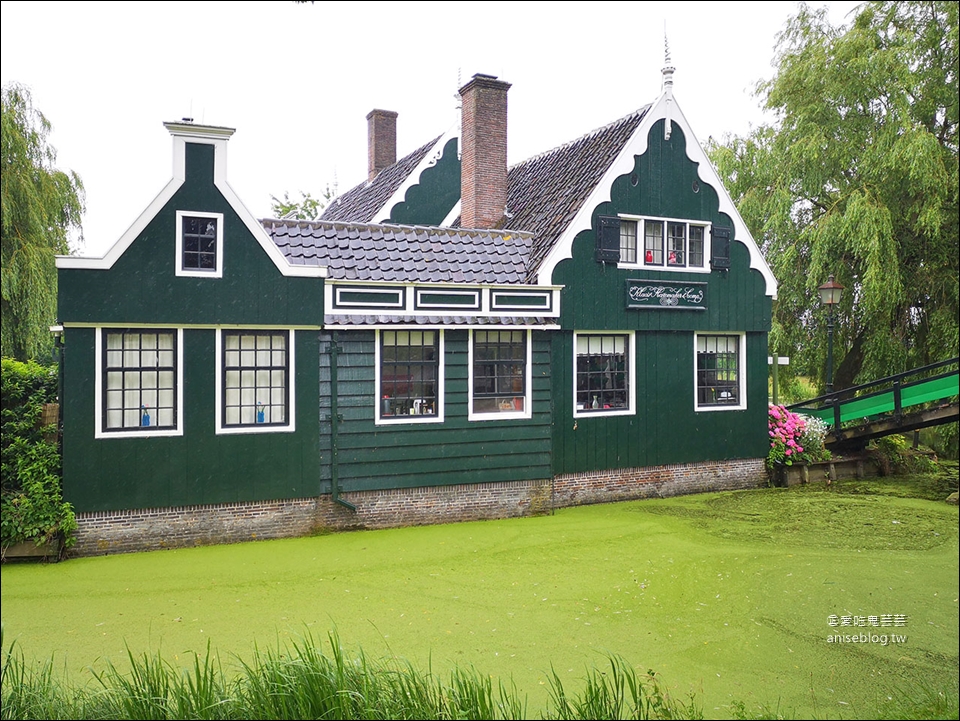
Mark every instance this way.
x=900 y=403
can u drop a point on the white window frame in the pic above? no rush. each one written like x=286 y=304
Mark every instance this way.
x=400 y=420
x=99 y=390
x=291 y=425
x=741 y=372
x=196 y=272
x=527 y=411
x=631 y=347
x=664 y=266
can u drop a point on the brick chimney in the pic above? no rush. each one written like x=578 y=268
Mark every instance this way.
x=483 y=152
x=381 y=141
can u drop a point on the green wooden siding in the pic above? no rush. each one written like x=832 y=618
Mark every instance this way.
x=438 y=190
x=455 y=451
x=199 y=467
x=142 y=286
x=666 y=428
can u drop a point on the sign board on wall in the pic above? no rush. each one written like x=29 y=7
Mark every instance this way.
x=666 y=295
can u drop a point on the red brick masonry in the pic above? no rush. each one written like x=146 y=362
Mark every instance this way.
x=157 y=528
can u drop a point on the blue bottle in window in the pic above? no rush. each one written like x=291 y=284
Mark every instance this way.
x=144 y=416
x=260 y=417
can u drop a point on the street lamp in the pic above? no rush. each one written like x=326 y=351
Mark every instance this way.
x=830 y=296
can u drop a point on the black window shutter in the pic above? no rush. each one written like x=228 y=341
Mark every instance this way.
x=608 y=239
x=720 y=248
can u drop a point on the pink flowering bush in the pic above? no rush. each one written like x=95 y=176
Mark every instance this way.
x=795 y=438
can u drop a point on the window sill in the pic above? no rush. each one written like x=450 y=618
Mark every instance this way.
x=664 y=268
x=259 y=428
x=602 y=412
x=154 y=432
x=406 y=420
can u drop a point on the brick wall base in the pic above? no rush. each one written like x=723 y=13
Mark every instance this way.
x=108 y=532
x=627 y=484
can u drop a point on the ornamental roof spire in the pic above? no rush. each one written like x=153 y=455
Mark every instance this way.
x=667 y=72
x=668 y=68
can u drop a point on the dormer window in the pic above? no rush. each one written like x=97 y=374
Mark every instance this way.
x=199 y=244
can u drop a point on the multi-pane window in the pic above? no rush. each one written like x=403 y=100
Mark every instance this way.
x=603 y=373
x=409 y=373
x=256 y=382
x=718 y=370
x=666 y=243
x=199 y=243
x=628 y=241
x=499 y=370
x=139 y=379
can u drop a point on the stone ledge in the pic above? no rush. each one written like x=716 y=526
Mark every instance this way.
x=832 y=470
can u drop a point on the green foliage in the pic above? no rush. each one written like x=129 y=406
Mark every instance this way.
x=300 y=681
x=895 y=456
x=859 y=177
x=24 y=388
x=620 y=693
x=303 y=682
x=40 y=206
x=307 y=208
x=31 y=506
x=944 y=440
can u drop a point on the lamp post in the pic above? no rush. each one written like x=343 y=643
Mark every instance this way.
x=830 y=296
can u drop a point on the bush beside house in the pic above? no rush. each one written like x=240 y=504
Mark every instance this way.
x=33 y=509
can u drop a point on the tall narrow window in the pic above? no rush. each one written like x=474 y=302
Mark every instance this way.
x=409 y=373
x=628 y=241
x=696 y=246
x=139 y=380
x=603 y=373
x=256 y=387
x=718 y=370
x=676 y=244
x=499 y=371
x=653 y=242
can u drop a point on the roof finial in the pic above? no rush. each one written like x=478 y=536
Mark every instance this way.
x=667 y=82
x=668 y=68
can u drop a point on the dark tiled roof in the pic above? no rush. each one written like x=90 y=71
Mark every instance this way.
x=362 y=203
x=545 y=192
x=403 y=253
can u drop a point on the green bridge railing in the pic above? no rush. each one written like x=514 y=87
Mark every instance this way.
x=891 y=395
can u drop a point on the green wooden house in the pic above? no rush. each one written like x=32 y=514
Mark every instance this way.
x=454 y=339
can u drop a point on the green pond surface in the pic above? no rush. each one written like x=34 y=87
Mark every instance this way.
x=811 y=601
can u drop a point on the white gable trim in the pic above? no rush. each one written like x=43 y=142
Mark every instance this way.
x=428 y=161
x=217 y=137
x=665 y=108
x=452 y=215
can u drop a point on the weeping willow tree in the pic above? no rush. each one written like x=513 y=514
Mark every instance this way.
x=40 y=207
x=857 y=177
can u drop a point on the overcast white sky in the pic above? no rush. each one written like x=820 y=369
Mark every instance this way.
x=297 y=81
